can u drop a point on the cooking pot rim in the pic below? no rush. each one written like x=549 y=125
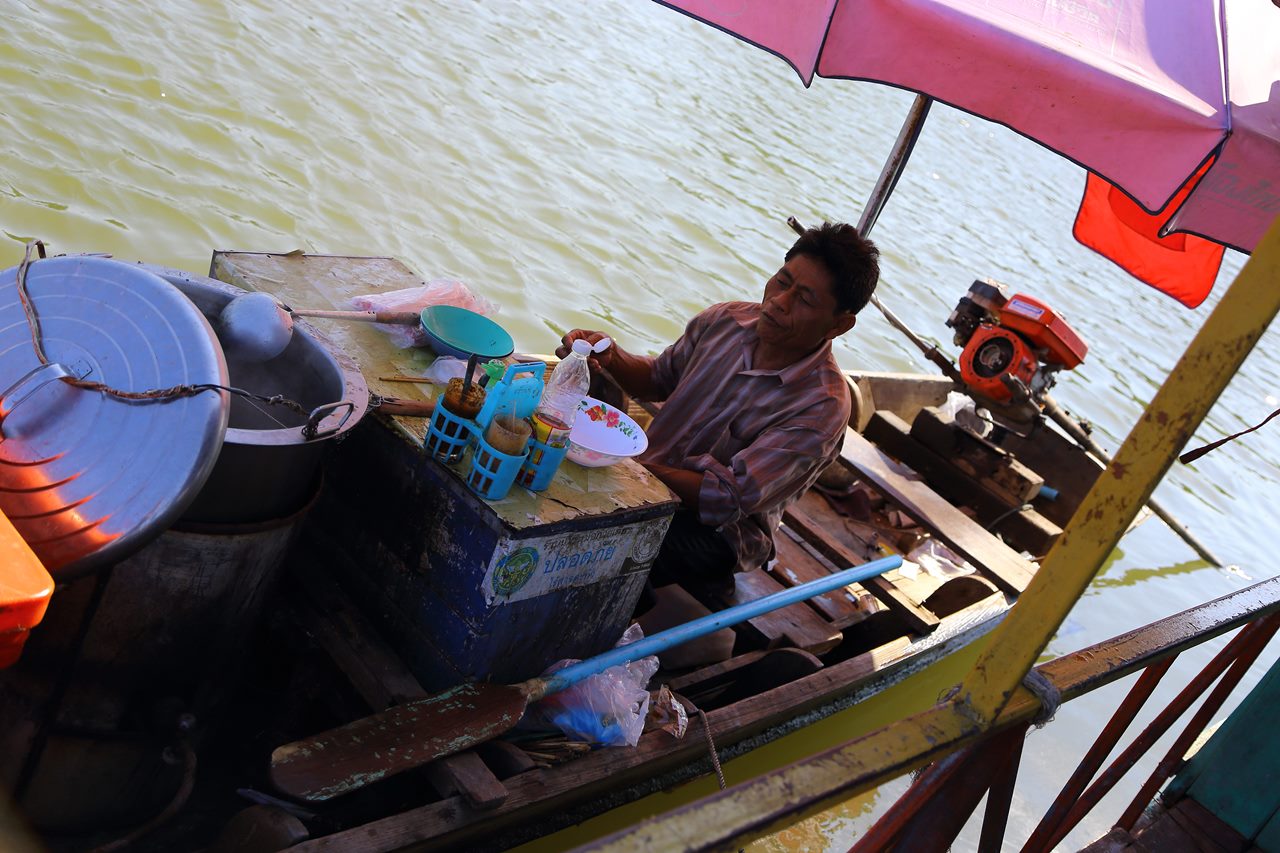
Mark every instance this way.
x=355 y=390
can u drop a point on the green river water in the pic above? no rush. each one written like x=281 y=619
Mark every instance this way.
x=618 y=166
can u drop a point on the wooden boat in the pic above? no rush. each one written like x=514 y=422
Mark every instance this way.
x=328 y=654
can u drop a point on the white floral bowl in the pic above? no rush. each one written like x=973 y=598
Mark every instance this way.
x=603 y=435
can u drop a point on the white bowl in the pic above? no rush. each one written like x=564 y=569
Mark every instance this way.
x=603 y=434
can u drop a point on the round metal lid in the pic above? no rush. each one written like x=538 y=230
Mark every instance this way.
x=88 y=478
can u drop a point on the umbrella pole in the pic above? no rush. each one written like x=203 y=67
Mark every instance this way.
x=889 y=174
x=896 y=162
x=893 y=166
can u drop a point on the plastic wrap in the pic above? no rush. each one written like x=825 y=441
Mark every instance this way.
x=437 y=292
x=608 y=708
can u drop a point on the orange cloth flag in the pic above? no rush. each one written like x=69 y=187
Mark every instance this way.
x=1113 y=225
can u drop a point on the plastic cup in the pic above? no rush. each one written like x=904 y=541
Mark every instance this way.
x=507 y=434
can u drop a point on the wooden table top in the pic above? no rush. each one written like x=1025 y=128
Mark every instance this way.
x=330 y=282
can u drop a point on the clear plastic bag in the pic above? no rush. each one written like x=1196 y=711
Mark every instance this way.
x=937 y=560
x=608 y=708
x=445 y=368
x=961 y=409
x=436 y=292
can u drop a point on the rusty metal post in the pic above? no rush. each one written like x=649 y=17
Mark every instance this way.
x=1000 y=797
x=1107 y=740
x=921 y=792
x=954 y=802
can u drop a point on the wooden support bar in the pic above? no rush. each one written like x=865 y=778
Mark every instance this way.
x=715 y=675
x=1031 y=530
x=798 y=562
x=374 y=670
x=995 y=559
x=994 y=468
x=917 y=618
x=467 y=775
x=797 y=625
x=504 y=759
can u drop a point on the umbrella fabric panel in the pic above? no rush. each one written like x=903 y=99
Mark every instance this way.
x=1132 y=90
x=791 y=29
x=1240 y=196
x=1181 y=265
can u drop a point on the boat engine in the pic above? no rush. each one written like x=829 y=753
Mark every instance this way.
x=1012 y=347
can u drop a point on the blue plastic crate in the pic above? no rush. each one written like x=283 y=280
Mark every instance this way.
x=493 y=472
x=540 y=466
x=448 y=435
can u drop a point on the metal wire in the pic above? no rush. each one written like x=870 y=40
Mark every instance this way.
x=152 y=395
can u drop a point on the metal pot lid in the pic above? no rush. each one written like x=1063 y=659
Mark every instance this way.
x=86 y=477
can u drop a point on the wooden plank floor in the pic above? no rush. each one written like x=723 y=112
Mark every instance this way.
x=1187 y=827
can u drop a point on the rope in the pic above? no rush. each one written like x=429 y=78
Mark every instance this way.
x=1049 y=695
x=1192 y=455
x=711 y=745
x=153 y=395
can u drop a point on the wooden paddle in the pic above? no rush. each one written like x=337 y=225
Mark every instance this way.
x=410 y=735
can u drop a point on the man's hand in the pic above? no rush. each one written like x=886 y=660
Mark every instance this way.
x=633 y=372
x=596 y=360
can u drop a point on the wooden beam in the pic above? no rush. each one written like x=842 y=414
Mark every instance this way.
x=965 y=536
x=797 y=625
x=917 y=619
x=799 y=562
x=382 y=679
x=1028 y=528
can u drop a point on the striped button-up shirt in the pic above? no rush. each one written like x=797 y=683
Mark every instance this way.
x=759 y=437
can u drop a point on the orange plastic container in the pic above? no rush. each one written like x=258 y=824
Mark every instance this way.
x=25 y=588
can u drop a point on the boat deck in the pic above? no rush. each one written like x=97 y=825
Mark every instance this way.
x=1187 y=827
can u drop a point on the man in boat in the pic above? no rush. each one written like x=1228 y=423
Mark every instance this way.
x=754 y=407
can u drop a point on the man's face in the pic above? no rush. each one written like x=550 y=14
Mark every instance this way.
x=799 y=312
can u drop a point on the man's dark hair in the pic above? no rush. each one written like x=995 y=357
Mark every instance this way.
x=852 y=260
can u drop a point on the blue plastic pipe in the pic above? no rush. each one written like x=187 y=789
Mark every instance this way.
x=701 y=626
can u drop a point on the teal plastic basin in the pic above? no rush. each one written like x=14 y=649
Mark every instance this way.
x=462 y=333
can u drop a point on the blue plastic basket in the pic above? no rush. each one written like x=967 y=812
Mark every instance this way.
x=448 y=435
x=538 y=469
x=493 y=472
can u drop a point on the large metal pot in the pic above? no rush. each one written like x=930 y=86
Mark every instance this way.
x=270 y=458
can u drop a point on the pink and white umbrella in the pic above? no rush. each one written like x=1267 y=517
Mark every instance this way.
x=1143 y=93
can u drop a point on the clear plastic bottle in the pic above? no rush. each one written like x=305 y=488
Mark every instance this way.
x=569 y=383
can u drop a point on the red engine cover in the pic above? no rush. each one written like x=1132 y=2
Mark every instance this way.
x=1039 y=323
x=994 y=352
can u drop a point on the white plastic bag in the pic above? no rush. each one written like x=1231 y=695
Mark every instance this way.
x=436 y=292
x=961 y=409
x=444 y=368
x=608 y=708
x=937 y=560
